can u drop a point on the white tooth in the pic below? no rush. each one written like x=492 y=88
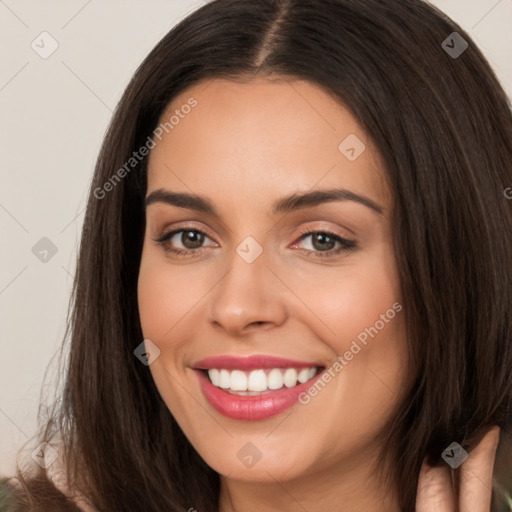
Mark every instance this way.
x=238 y=381
x=311 y=373
x=214 y=376
x=224 y=379
x=303 y=375
x=257 y=381
x=275 y=379
x=290 y=377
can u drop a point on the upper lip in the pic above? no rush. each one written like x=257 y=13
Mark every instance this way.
x=250 y=363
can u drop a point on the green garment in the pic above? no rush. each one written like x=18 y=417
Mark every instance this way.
x=502 y=474
x=503 y=497
x=5 y=493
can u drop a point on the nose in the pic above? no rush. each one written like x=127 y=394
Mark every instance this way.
x=247 y=297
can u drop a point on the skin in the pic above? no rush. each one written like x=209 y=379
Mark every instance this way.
x=471 y=489
x=243 y=147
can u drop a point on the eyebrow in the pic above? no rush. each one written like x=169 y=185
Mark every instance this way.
x=297 y=201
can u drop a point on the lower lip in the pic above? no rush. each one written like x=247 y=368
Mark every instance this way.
x=256 y=407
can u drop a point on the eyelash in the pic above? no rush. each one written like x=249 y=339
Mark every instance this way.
x=346 y=245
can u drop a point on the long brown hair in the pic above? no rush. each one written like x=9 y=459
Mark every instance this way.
x=443 y=126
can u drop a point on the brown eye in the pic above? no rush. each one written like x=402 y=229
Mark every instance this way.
x=323 y=242
x=192 y=239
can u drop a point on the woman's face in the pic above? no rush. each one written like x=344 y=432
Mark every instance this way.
x=313 y=282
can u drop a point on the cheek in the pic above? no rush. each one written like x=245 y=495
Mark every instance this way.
x=162 y=302
x=351 y=299
x=152 y=299
x=359 y=313
x=165 y=294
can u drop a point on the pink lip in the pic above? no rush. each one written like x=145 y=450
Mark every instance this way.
x=250 y=363
x=256 y=407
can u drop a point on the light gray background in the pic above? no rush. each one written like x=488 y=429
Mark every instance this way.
x=54 y=114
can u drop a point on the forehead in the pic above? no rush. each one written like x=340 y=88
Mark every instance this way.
x=262 y=139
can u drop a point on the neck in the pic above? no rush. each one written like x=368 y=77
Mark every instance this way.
x=353 y=489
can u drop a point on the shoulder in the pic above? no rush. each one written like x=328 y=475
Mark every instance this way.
x=51 y=485
x=56 y=473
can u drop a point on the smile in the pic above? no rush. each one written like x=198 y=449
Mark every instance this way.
x=254 y=388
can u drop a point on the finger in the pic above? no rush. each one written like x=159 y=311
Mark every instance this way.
x=476 y=474
x=435 y=490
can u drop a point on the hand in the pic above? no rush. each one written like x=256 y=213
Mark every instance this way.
x=437 y=492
